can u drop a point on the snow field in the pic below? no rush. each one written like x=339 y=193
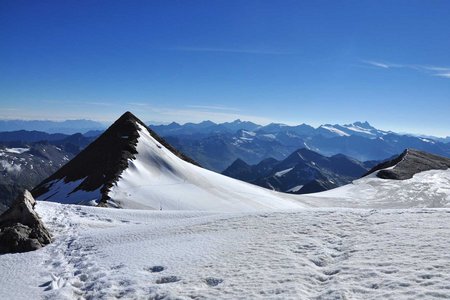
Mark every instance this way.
x=429 y=189
x=103 y=253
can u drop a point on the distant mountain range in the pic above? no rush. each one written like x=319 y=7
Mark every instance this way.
x=66 y=127
x=130 y=166
x=216 y=146
x=304 y=171
x=24 y=167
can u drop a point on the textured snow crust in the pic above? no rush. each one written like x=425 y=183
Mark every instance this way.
x=105 y=253
x=429 y=189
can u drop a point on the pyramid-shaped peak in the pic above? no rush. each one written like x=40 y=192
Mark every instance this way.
x=128 y=114
x=95 y=169
x=128 y=117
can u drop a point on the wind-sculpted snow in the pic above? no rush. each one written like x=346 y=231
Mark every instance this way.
x=101 y=253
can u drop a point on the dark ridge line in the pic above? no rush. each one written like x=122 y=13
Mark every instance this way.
x=388 y=163
x=409 y=163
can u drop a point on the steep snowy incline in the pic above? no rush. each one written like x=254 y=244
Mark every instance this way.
x=157 y=179
x=102 y=253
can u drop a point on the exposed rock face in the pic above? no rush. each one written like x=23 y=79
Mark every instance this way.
x=21 y=229
x=410 y=162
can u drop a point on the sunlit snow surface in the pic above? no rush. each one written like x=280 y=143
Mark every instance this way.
x=429 y=189
x=157 y=179
x=102 y=253
x=220 y=238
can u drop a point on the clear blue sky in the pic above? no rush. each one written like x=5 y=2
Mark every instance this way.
x=387 y=62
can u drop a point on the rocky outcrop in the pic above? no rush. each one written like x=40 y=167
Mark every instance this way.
x=409 y=163
x=21 y=229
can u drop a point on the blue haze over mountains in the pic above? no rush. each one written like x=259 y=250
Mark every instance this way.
x=65 y=127
x=216 y=146
x=242 y=149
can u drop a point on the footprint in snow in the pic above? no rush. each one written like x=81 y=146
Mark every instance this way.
x=155 y=269
x=117 y=267
x=167 y=279
x=213 y=281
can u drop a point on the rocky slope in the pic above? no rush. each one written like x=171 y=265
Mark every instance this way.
x=409 y=163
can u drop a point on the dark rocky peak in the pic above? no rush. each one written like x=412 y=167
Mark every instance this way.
x=409 y=163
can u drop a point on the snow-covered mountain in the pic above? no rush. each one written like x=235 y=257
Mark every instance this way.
x=216 y=147
x=304 y=171
x=22 y=166
x=363 y=129
x=129 y=166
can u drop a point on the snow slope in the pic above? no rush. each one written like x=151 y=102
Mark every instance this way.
x=334 y=130
x=426 y=189
x=158 y=179
x=66 y=192
x=102 y=253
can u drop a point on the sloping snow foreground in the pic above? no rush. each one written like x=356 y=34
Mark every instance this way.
x=158 y=179
x=103 y=253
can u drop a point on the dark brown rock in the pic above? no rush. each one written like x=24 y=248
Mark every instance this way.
x=409 y=163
